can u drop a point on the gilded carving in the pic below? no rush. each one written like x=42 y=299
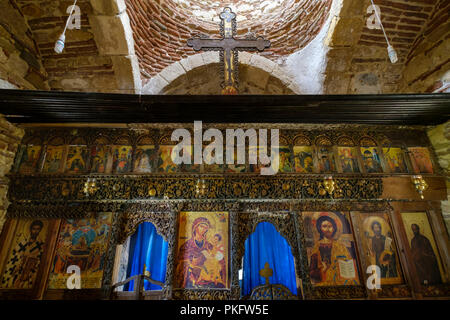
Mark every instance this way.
x=249 y=199
x=65 y=188
x=392 y=291
x=440 y=290
x=342 y=292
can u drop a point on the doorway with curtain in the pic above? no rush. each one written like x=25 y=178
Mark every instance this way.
x=267 y=248
x=143 y=253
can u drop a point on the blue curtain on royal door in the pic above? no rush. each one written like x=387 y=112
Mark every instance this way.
x=149 y=248
x=267 y=245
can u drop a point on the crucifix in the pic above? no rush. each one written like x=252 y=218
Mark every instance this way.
x=228 y=47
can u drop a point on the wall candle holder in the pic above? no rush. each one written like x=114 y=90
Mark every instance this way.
x=419 y=184
x=90 y=187
x=200 y=187
x=328 y=184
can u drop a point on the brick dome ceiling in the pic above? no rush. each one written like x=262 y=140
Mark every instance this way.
x=348 y=57
x=161 y=29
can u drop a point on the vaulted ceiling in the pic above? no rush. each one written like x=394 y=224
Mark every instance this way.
x=139 y=46
x=162 y=28
x=419 y=30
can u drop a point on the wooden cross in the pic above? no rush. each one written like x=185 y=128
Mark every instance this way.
x=228 y=47
x=266 y=273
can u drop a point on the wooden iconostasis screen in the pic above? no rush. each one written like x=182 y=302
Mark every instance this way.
x=43 y=247
x=339 y=247
x=121 y=151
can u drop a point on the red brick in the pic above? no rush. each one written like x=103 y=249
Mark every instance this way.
x=398 y=5
x=181 y=26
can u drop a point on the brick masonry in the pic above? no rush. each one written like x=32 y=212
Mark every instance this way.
x=428 y=63
x=104 y=56
x=198 y=74
x=366 y=67
x=162 y=28
x=79 y=67
x=98 y=57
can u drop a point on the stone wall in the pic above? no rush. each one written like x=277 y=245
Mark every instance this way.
x=75 y=68
x=114 y=38
x=97 y=57
x=440 y=138
x=20 y=60
x=10 y=137
x=428 y=63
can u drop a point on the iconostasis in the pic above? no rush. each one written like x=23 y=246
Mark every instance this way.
x=343 y=199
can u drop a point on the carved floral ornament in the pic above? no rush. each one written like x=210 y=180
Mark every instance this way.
x=186 y=187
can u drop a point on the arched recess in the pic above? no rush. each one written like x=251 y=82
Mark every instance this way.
x=163 y=219
x=200 y=74
x=265 y=247
x=145 y=250
x=285 y=224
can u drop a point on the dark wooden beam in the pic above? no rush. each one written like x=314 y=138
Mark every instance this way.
x=20 y=106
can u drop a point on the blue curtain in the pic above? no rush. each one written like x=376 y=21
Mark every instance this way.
x=149 y=248
x=267 y=245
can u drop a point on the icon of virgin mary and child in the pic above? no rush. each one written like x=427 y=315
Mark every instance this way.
x=201 y=263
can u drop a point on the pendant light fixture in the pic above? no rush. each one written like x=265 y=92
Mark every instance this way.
x=391 y=51
x=59 y=45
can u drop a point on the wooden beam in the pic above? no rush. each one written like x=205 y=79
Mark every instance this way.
x=401 y=188
x=21 y=106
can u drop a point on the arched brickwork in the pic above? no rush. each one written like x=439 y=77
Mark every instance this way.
x=162 y=28
x=199 y=74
